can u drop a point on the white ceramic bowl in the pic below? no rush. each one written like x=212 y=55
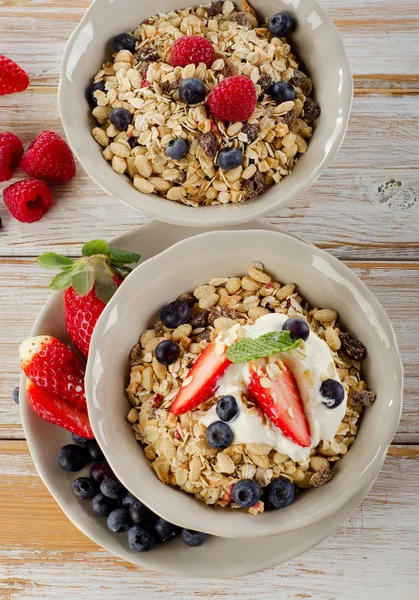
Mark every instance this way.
x=323 y=281
x=318 y=44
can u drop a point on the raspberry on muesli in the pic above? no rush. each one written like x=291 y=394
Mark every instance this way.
x=242 y=394
x=204 y=105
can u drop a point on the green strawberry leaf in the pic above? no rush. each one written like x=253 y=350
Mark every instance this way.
x=50 y=260
x=62 y=281
x=123 y=257
x=105 y=286
x=248 y=349
x=95 y=247
x=83 y=280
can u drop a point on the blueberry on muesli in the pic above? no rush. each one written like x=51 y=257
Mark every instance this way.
x=281 y=24
x=167 y=352
x=229 y=158
x=121 y=118
x=177 y=148
x=282 y=91
x=124 y=41
x=192 y=91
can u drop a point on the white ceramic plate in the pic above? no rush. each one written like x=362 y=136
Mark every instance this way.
x=219 y=557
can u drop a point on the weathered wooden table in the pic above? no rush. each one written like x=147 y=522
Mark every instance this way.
x=364 y=210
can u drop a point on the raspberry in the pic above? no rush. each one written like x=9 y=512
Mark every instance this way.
x=11 y=151
x=12 y=77
x=49 y=158
x=27 y=200
x=234 y=99
x=191 y=49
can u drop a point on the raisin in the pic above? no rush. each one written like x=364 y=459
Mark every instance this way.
x=205 y=336
x=170 y=86
x=311 y=110
x=265 y=83
x=242 y=19
x=302 y=81
x=147 y=55
x=136 y=352
x=353 y=348
x=188 y=299
x=361 y=397
x=215 y=9
x=229 y=69
x=321 y=477
x=228 y=313
x=252 y=132
x=209 y=142
x=255 y=186
x=200 y=319
x=289 y=118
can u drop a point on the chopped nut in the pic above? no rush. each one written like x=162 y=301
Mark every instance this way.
x=361 y=397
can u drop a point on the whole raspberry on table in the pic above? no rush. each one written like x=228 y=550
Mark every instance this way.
x=11 y=151
x=27 y=200
x=192 y=49
x=49 y=158
x=234 y=99
x=12 y=77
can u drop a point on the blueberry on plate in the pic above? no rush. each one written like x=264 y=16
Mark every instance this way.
x=72 y=458
x=165 y=530
x=100 y=470
x=121 y=118
x=177 y=148
x=298 y=328
x=77 y=439
x=94 y=450
x=227 y=408
x=103 y=506
x=246 y=493
x=16 y=395
x=84 y=488
x=119 y=520
x=219 y=435
x=229 y=158
x=124 y=41
x=174 y=314
x=192 y=90
x=141 y=539
x=128 y=499
x=279 y=493
x=332 y=392
x=193 y=538
x=140 y=514
x=282 y=91
x=99 y=85
x=281 y=24
x=167 y=352
x=112 y=488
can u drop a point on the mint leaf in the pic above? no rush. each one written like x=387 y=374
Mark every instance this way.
x=83 y=280
x=62 y=281
x=248 y=349
x=95 y=247
x=50 y=260
x=123 y=257
x=105 y=286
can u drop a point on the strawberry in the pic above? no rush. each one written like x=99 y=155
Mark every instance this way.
x=12 y=77
x=280 y=400
x=50 y=364
x=58 y=411
x=204 y=375
x=88 y=285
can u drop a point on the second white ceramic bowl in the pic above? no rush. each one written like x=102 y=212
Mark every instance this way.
x=323 y=281
x=318 y=45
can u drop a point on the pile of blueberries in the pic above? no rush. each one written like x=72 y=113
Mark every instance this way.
x=108 y=497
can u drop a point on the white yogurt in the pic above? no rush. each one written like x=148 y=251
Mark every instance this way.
x=309 y=371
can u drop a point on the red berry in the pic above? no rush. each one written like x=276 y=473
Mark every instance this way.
x=234 y=99
x=49 y=158
x=12 y=77
x=192 y=49
x=27 y=200
x=11 y=151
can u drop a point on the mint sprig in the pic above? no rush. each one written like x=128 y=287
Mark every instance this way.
x=248 y=349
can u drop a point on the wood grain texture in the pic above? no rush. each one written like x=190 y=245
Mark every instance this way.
x=45 y=556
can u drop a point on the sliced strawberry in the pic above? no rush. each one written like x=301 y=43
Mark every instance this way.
x=204 y=375
x=280 y=400
x=52 y=365
x=59 y=412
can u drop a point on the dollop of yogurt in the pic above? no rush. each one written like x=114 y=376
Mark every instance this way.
x=311 y=363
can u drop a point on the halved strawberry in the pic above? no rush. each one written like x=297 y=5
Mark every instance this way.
x=280 y=400
x=59 y=412
x=204 y=375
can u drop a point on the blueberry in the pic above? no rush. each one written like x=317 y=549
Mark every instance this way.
x=227 y=408
x=193 y=538
x=192 y=90
x=333 y=392
x=94 y=450
x=282 y=91
x=219 y=435
x=141 y=539
x=121 y=118
x=119 y=520
x=99 y=85
x=229 y=158
x=124 y=41
x=246 y=493
x=16 y=395
x=84 y=488
x=281 y=24
x=72 y=458
x=298 y=328
x=140 y=514
x=279 y=493
x=167 y=352
x=112 y=488
x=100 y=470
x=103 y=506
x=174 y=314
x=177 y=148
x=77 y=439
x=128 y=499
x=165 y=530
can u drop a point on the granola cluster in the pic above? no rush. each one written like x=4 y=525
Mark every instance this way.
x=146 y=84
x=176 y=445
